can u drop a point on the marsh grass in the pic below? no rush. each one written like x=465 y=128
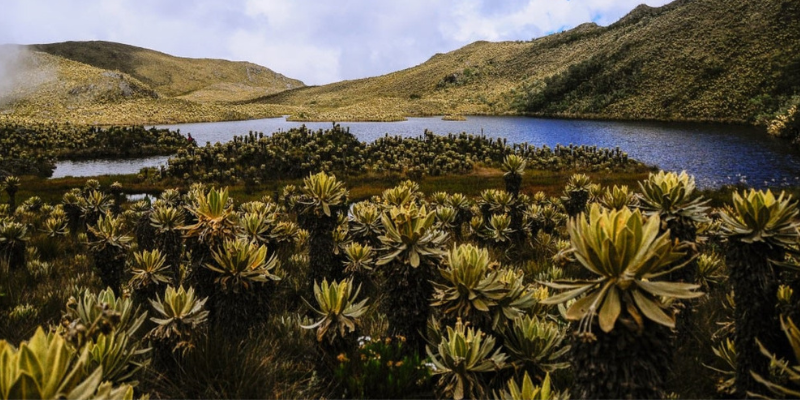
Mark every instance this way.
x=267 y=363
x=361 y=187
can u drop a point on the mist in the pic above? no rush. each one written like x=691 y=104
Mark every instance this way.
x=21 y=73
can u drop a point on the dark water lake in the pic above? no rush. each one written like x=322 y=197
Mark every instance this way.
x=715 y=154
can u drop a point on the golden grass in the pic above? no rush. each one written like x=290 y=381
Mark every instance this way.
x=686 y=61
x=360 y=187
x=176 y=76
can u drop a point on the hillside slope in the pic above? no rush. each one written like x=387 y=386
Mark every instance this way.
x=110 y=83
x=173 y=76
x=707 y=60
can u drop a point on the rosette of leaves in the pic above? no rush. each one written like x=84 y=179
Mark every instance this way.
x=463 y=358
x=240 y=264
x=440 y=199
x=105 y=311
x=168 y=222
x=544 y=218
x=365 y=221
x=623 y=307
x=255 y=227
x=108 y=249
x=93 y=205
x=493 y=201
x=359 y=257
x=536 y=344
x=519 y=298
x=404 y=193
x=32 y=210
x=14 y=237
x=216 y=220
x=55 y=227
x=410 y=236
x=618 y=197
x=286 y=234
x=513 y=168
x=459 y=201
x=446 y=218
x=120 y=356
x=46 y=367
x=476 y=226
x=627 y=255
x=339 y=313
x=321 y=191
x=471 y=285
x=289 y=196
x=671 y=196
x=576 y=194
x=710 y=270
x=148 y=270
x=179 y=316
x=11 y=186
x=171 y=197
x=321 y=196
x=760 y=229
x=241 y=271
x=107 y=325
x=498 y=230
x=411 y=249
x=530 y=392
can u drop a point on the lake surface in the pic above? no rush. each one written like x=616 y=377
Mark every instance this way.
x=715 y=154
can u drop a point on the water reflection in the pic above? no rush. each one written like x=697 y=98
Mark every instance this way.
x=716 y=154
x=106 y=167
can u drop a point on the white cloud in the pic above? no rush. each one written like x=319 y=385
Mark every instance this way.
x=313 y=63
x=534 y=18
x=316 y=41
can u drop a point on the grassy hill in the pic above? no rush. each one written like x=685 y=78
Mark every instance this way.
x=701 y=60
x=195 y=79
x=706 y=60
x=109 y=83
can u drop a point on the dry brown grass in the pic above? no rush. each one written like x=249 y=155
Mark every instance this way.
x=704 y=60
x=170 y=76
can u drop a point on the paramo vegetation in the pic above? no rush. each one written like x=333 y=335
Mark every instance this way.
x=33 y=148
x=601 y=292
x=299 y=151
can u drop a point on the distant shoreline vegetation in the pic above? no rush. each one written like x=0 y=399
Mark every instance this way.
x=34 y=148
x=295 y=153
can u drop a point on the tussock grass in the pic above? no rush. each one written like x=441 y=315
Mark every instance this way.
x=686 y=61
x=170 y=76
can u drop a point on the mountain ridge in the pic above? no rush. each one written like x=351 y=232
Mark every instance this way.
x=699 y=60
x=690 y=60
x=171 y=75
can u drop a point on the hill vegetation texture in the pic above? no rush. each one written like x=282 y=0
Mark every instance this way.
x=111 y=83
x=194 y=79
x=706 y=60
x=698 y=60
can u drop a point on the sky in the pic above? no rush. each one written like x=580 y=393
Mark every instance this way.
x=316 y=41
